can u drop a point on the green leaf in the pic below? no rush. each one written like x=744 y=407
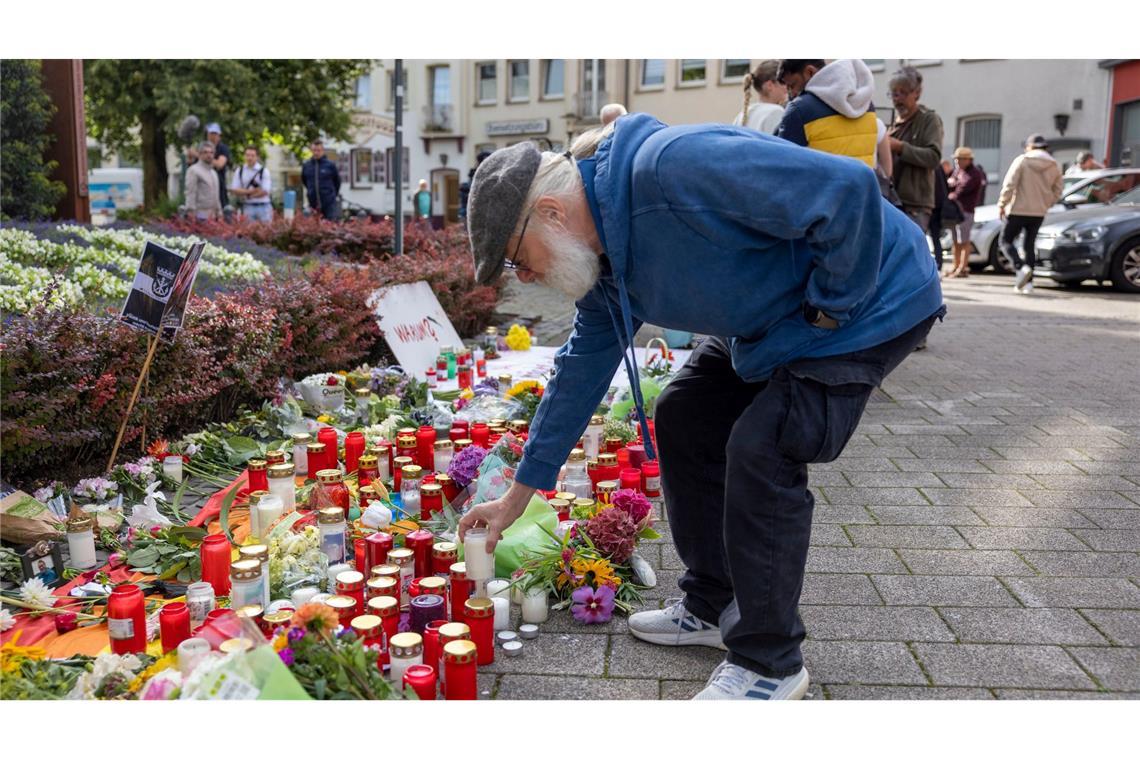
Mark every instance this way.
x=224 y=514
x=142 y=557
x=241 y=449
x=176 y=505
x=648 y=534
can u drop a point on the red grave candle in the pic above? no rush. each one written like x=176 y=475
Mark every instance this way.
x=331 y=482
x=174 y=625
x=376 y=548
x=258 y=476
x=443 y=556
x=420 y=542
x=350 y=583
x=450 y=487
x=479 y=614
x=422 y=680
x=463 y=375
x=622 y=457
x=631 y=478
x=447 y=634
x=425 y=447
x=387 y=608
x=459 y=659
x=608 y=468
x=327 y=436
x=459 y=589
x=480 y=434
x=315 y=452
x=353 y=448
x=651 y=479
x=398 y=474
x=216 y=554
x=431 y=500
x=636 y=455
x=457 y=434
x=406 y=447
x=431 y=642
x=126 y=619
x=360 y=556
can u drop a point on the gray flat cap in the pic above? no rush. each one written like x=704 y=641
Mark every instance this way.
x=498 y=192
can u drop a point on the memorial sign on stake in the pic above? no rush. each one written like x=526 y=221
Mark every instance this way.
x=414 y=325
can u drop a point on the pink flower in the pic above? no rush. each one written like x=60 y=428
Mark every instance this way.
x=593 y=606
x=155 y=530
x=633 y=503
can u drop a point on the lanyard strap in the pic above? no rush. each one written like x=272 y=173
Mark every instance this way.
x=626 y=343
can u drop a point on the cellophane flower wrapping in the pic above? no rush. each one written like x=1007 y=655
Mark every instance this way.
x=295 y=561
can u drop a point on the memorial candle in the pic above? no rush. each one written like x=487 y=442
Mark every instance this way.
x=374 y=587
x=432 y=649
x=399 y=463
x=328 y=437
x=301 y=443
x=447 y=634
x=460 y=659
x=126 y=619
x=480 y=563
x=404 y=651
x=351 y=584
x=421 y=679
x=353 y=449
x=534 y=606
x=502 y=613
x=386 y=608
x=376 y=548
x=173 y=625
x=282 y=485
x=420 y=542
x=425 y=447
x=425 y=608
x=255 y=469
x=215 y=561
x=443 y=556
x=479 y=615
x=315 y=458
x=459 y=589
x=405 y=560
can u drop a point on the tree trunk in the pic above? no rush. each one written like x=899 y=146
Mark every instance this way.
x=155 y=175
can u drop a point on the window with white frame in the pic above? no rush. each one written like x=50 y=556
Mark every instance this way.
x=487 y=75
x=982 y=135
x=693 y=71
x=363 y=99
x=519 y=81
x=652 y=73
x=554 y=78
x=588 y=74
x=734 y=69
x=392 y=90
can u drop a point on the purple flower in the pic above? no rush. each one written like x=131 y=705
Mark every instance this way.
x=592 y=606
x=633 y=503
x=465 y=465
x=295 y=634
x=286 y=656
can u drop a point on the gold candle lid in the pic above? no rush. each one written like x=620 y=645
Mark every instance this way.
x=463 y=443
x=250 y=611
x=245 y=570
x=276 y=455
x=433 y=584
x=255 y=465
x=80 y=522
x=401 y=556
x=350 y=578
x=458 y=570
x=559 y=504
x=255 y=497
x=366 y=625
x=340 y=603
x=406 y=431
x=281 y=470
x=444 y=445
x=406 y=645
x=477 y=608
x=235 y=645
x=384 y=606
x=583 y=502
x=381 y=584
x=401 y=462
x=362 y=392
x=330 y=476
x=454 y=631
x=459 y=652
x=597 y=419
x=607 y=485
x=368 y=461
x=516 y=425
x=281 y=617
x=443 y=478
x=431 y=489
x=412 y=471
x=576 y=455
x=565 y=495
x=443 y=548
x=492 y=330
x=330 y=516
x=315 y=447
x=301 y=438
x=385 y=570
x=259 y=552
x=606 y=459
x=383 y=447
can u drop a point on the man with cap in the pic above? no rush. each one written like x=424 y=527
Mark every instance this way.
x=967 y=187
x=221 y=158
x=1032 y=184
x=1084 y=163
x=813 y=288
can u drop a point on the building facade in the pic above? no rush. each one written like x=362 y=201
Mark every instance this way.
x=1124 y=113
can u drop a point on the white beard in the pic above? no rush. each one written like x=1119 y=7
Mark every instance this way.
x=574 y=266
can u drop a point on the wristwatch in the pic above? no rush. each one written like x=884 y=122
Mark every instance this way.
x=817 y=318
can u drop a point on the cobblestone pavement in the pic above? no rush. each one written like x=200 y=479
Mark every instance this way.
x=978 y=539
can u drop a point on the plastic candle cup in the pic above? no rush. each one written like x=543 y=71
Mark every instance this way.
x=81 y=541
x=480 y=563
x=422 y=680
x=172 y=468
x=534 y=606
x=502 y=613
x=174 y=625
x=499 y=588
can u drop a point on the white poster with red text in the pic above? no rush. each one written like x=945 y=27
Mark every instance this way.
x=414 y=325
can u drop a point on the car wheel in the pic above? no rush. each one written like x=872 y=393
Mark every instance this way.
x=998 y=261
x=1125 y=268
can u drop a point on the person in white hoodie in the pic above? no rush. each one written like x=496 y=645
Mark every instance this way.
x=1032 y=184
x=765 y=115
x=832 y=111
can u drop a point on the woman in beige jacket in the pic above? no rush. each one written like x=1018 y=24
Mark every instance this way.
x=1032 y=185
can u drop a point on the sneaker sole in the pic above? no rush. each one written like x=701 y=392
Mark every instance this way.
x=801 y=688
x=701 y=639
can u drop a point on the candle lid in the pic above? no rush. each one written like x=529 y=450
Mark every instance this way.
x=281 y=470
x=316 y=446
x=406 y=645
x=245 y=570
x=607 y=459
x=381 y=447
x=368 y=461
x=431 y=489
x=405 y=431
x=433 y=584
x=255 y=465
x=443 y=478
x=381 y=584
x=576 y=455
x=428 y=600
x=479 y=608
x=385 y=570
x=454 y=631
x=329 y=476
x=443 y=445
x=597 y=419
x=518 y=424
x=401 y=556
x=366 y=625
x=401 y=462
x=255 y=497
x=412 y=471
x=281 y=617
x=565 y=495
x=235 y=645
x=458 y=569
x=301 y=438
x=362 y=392
x=559 y=504
x=80 y=522
x=250 y=611
x=384 y=606
x=492 y=330
x=444 y=547
x=583 y=502
x=330 y=516
x=406 y=441
x=339 y=603
x=350 y=578
x=606 y=485
x=254 y=551
x=463 y=443
x=459 y=652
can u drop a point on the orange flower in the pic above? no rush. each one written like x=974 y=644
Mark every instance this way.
x=315 y=618
x=159 y=449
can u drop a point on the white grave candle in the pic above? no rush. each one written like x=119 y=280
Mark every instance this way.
x=502 y=613
x=534 y=607
x=480 y=564
x=172 y=468
x=499 y=588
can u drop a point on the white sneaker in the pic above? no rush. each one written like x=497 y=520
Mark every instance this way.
x=1028 y=288
x=1023 y=276
x=730 y=681
x=675 y=626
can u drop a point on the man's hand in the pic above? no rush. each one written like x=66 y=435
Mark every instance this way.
x=1001 y=213
x=497 y=515
x=896 y=144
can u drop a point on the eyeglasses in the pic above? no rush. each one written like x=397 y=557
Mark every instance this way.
x=512 y=263
x=898 y=94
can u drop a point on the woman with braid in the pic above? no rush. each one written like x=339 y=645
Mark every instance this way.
x=764 y=116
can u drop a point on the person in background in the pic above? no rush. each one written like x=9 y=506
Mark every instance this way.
x=221 y=160
x=252 y=185
x=764 y=116
x=202 y=199
x=944 y=212
x=611 y=112
x=321 y=179
x=421 y=202
x=915 y=139
x=1032 y=184
x=967 y=186
x=1084 y=163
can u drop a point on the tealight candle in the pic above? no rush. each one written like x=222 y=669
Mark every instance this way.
x=172 y=468
x=190 y=653
x=504 y=636
x=502 y=613
x=534 y=606
x=480 y=563
x=528 y=631
x=499 y=587
x=512 y=648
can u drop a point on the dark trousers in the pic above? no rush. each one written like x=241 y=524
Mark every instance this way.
x=1013 y=226
x=734 y=459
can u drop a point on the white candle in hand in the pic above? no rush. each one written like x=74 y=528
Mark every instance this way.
x=480 y=564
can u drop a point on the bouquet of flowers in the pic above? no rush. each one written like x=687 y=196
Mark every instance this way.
x=529 y=394
x=518 y=338
x=296 y=560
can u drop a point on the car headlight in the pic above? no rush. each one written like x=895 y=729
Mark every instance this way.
x=1085 y=234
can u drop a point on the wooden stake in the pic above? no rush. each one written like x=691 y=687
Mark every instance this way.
x=134 y=398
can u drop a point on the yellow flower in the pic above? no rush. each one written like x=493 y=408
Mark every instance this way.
x=601 y=568
x=12 y=654
x=467 y=393
x=280 y=642
x=518 y=339
x=523 y=386
x=168 y=660
x=324 y=418
x=342 y=373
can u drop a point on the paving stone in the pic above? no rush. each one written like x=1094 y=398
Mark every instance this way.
x=975 y=497
x=969 y=453
x=865 y=497
x=635 y=658
x=1035 y=517
x=1104 y=593
x=867 y=464
x=1085 y=564
x=1128 y=470
x=666 y=585
x=1122 y=626
x=1110 y=540
x=670 y=560
x=856 y=450
x=828 y=559
x=484 y=685
x=995 y=665
x=563 y=654
x=861 y=662
x=1085 y=482
x=874 y=623
x=1118 y=519
x=942 y=465
x=1040 y=453
x=1020 y=626
x=964 y=562
x=843 y=514
x=1022 y=538
x=681 y=689
x=910 y=441
x=975 y=480
x=1116 y=668
x=828 y=534
x=908 y=537
x=908 y=693
x=938 y=590
x=928 y=515
x=894 y=479
x=903 y=429
x=838 y=588
x=1032 y=467
x=827 y=478
x=561 y=621
x=560 y=687
x=1113 y=454
x=1073 y=500
x=1051 y=694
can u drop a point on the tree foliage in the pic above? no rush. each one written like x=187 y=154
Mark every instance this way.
x=26 y=188
x=287 y=101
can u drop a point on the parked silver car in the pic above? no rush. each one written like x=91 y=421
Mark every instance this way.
x=1084 y=190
